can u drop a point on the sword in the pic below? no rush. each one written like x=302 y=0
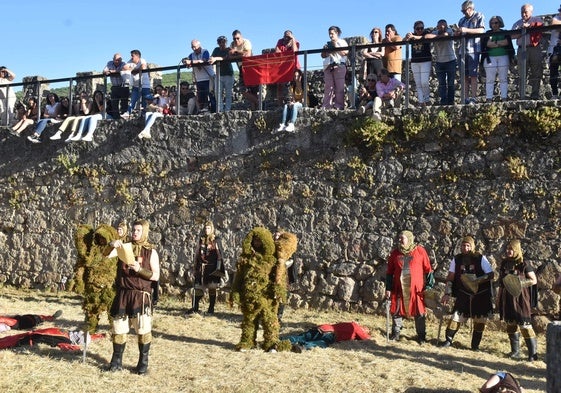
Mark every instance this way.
x=440 y=322
x=388 y=304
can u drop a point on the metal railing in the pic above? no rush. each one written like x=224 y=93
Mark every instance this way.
x=353 y=58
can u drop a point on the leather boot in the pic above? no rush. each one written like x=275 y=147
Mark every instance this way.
x=532 y=344
x=421 y=329
x=449 y=338
x=211 y=303
x=117 y=358
x=475 y=340
x=195 y=308
x=142 y=366
x=514 y=345
x=396 y=330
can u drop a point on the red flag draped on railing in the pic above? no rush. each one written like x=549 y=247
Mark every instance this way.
x=268 y=69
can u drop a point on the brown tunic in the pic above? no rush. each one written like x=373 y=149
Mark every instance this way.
x=515 y=309
x=133 y=292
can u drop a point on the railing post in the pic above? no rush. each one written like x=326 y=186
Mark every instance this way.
x=407 y=67
x=38 y=84
x=178 y=90
x=70 y=96
x=104 y=112
x=217 y=89
x=522 y=63
x=305 y=81
x=353 y=77
x=462 y=65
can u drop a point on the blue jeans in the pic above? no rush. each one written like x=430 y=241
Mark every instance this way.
x=445 y=73
x=135 y=95
x=294 y=108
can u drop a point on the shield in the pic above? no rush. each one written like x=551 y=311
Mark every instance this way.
x=468 y=280
x=432 y=299
x=512 y=284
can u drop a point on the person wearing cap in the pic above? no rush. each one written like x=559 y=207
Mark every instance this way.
x=472 y=22
x=7 y=97
x=469 y=281
x=554 y=53
x=529 y=49
x=408 y=273
x=226 y=72
x=516 y=297
x=203 y=73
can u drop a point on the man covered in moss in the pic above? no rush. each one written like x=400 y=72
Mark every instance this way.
x=260 y=286
x=95 y=272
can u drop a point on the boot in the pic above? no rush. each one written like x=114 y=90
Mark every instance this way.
x=475 y=340
x=532 y=344
x=142 y=366
x=211 y=303
x=449 y=338
x=420 y=327
x=280 y=312
x=396 y=330
x=195 y=308
x=117 y=358
x=514 y=345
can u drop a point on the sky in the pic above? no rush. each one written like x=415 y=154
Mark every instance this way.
x=57 y=38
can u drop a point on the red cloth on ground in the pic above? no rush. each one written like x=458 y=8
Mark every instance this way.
x=345 y=331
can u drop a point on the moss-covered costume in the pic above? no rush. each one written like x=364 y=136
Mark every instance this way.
x=94 y=272
x=259 y=286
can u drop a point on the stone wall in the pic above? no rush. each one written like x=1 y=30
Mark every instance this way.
x=345 y=202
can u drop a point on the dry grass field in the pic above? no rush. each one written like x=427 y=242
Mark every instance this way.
x=197 y=355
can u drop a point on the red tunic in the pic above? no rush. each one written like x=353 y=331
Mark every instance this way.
x=419 y=265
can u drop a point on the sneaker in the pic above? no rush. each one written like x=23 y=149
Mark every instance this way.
x=445 y=344
x=87 y=138
x=125 y=115
x=13 y=132
x=281 y=128
x=145 y=135
x=377 y=116
x=362 y=110
x=289 y=127
x=56 y=136
x=34 y=138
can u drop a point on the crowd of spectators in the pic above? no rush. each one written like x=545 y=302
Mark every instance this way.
x=442 y=50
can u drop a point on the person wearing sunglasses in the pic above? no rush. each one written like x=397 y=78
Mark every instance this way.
x=421 y=61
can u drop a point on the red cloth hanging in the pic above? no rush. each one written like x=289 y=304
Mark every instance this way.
x=268 y=69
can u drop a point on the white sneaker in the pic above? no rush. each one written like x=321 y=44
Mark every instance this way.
x=145 y=135
x=76 y=137
x=289 y=127
x=87 y=138
x=377 y=116
x=281 y=128
x=56 y=136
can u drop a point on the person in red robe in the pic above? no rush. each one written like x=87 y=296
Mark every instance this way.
x=408 y=264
